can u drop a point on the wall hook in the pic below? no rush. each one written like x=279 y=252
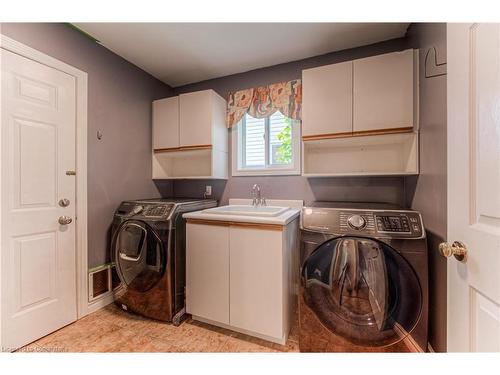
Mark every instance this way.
x=432 y=68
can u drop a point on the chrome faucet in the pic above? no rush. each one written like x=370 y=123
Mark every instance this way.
x=257 y=199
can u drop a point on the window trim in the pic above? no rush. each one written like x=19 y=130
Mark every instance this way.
x=294 y=169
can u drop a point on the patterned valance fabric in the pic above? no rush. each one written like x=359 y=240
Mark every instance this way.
x=263 y=101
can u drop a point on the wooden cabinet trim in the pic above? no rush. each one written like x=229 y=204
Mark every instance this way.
x=183 y=148
x=316 y=137
x=361 y=133
x=277 y=227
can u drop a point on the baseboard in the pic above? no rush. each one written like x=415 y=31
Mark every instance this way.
x=281 y=341
x=100 y=302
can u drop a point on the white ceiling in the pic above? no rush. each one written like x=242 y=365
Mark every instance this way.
x=181 y=53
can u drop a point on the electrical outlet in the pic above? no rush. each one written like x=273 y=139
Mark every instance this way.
x=208 y=190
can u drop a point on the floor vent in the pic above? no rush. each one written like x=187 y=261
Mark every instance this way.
x=102 y=280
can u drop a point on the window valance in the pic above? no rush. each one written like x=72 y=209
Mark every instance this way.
x=263 y=101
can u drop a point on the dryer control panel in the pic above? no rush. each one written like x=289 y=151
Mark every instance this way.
x=140 y=210
x=157 y=210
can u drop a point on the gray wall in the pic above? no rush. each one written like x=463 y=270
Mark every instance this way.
x=376 y=189
x=427 y=192
x=119 y=105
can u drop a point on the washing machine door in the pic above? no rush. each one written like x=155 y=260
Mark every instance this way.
x=139 y=255
x=363 y=290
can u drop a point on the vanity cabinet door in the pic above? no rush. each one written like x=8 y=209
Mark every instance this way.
x=166 y=123
x=256 y=279
x=207 y=271
x=384 y=92
x=327 y=100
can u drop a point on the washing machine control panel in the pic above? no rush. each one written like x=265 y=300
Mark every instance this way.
x=379 y=223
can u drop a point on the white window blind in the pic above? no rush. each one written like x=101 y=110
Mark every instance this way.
x=255 y=141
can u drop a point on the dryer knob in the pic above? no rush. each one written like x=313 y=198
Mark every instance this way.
x=357 y=222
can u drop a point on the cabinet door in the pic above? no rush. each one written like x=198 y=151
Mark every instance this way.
x=327 y=100
x=383 y=92
x=256 y=272
x=196 y=118
x=166 y=123
x=207 y=271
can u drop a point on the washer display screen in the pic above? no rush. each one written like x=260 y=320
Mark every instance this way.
x=386 y=223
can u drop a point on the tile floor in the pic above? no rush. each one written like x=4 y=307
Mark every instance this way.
x=113 y=330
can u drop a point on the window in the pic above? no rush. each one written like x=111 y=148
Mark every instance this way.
x=266 y=146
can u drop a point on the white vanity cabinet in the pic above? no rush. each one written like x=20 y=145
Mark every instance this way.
x=190 y=136
x=239 y=276
x=256 y=278
x=207 y=277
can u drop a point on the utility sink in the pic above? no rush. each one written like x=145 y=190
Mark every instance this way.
x=243 y=210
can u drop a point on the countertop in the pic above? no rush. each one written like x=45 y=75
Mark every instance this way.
x=286 y=217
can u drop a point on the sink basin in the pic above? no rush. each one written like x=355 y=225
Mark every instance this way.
x=241 y=210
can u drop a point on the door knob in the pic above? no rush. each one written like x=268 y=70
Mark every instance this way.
x=65 y=220
x=457 y=249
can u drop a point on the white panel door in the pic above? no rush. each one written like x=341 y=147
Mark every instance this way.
x=474 y=186
x=207 y=271
x=327 y=100
x=256 y=279
x=195 y=116
x=37 y=148
x=384 y=92
x=166 y=123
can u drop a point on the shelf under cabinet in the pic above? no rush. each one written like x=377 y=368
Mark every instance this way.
x=374 y=155
x=190 y=163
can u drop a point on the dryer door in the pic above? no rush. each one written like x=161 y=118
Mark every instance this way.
x=363 y=290
x=139 y=255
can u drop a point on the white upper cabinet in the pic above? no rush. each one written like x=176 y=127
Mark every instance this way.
x=166 y=123
x=202 y=119
x=195 y=110
x=351 y=112
x=327 y=100
x=384 y=89
x=190 y=136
